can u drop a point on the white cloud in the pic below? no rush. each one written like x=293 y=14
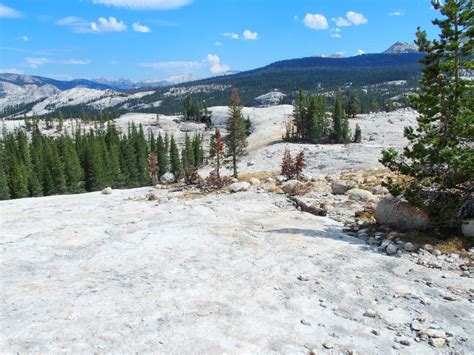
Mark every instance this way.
x=35 y=62
x=397 y=13
x=216 y=67
x=8 y=12
x=11 y=70
x=356 y=18
x=144 y=4
x=342 y=22
x=218 y=44
x=212 y=63
x=316 y=21
x=108 y=25
x=360 y=52
x=250 y=36
x=140 y=28
x=77 y=24
x=24 y=38
x=232 y=35
x=296 y=18
x=336 y=33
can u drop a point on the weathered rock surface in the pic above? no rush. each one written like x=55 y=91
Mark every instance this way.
x=167 y=178
x=340 y=187
x=360 y=195
x=293 y=187
x=468 y=227
x=107 y=191
x=399 y=214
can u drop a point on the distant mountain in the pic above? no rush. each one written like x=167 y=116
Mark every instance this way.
x=402 y=48
x=19 y=79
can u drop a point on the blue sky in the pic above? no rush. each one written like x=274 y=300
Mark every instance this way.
x=158 y=39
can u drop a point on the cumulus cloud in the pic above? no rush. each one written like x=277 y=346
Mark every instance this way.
x=8 y=12
x=356 y=18
x=232 y=35
x=216 y=67
x=212 y=64
x=35 y=62
x=108 y=25
x=144 y=4
x=316 y=21
x=360 y=52
x=140 y=28
x=336 y=33
x=342 y=22
x=250 y=36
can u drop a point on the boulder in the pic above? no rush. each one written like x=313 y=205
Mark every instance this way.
x=340 y=187
x=239 y=186
x=360 y=195
x=107 y=191
x=467 y=227
x=399 y=214
x=255 y=181
x=293 y=187
x=380 y=190
x=167 y=178
x=391 y=249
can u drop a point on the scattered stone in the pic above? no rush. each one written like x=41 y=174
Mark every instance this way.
x=152 y=197
x=304 y=322
x=303 y=278
x=415 y=325
x=294 y=187
x=280 y=179
x=409 y=247
x=433 y=333
x=391 y=249
x=380 y=190
x=360 y=195
x=328 y=345
x=340 y=187
x=270 y=180
x=167 y=178
x=375 y=332
x=251 y=163
x=399 y=214
x=254 y=181
x=107 y=191
x=239 y=186
x=370 y=313
x=451 y=297
x=313 y=352
x=405 y=342
x=437 y=342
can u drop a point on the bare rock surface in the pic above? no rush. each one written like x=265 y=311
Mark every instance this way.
x=225 y=273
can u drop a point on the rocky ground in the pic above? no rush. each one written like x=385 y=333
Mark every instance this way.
x=218 y=273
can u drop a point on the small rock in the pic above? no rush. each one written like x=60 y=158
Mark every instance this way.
x=313 y=352
x=451 y=297
x=391 y=249
x=436 y=252
x=328 y=345
x=152 y=197
x=167 y=178
x=304 y=322
x=433 y=333
x=340 y=187
x=239 y=186
x=409 y=247
x=107 y=191
x=303 y=277
x=375 y=332
x=294 y=187
x=405 y=342
x=251 y=163
x=437 y=342
x=370 y=313
x=360 y=195
x=380 y=190
x=415 y=325
x=255 y=181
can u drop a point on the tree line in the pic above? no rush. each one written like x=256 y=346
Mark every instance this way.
x=311 y=123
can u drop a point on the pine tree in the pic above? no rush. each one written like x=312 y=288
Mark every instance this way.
x=440 y=159
x=338 y=117
x=299 y=116
x=236 y=139
x=357 y=134
x=353 y=106
x=162 y=156
x=218 y=148
x=373 y=105
x=4 y=188
x=175 y=161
